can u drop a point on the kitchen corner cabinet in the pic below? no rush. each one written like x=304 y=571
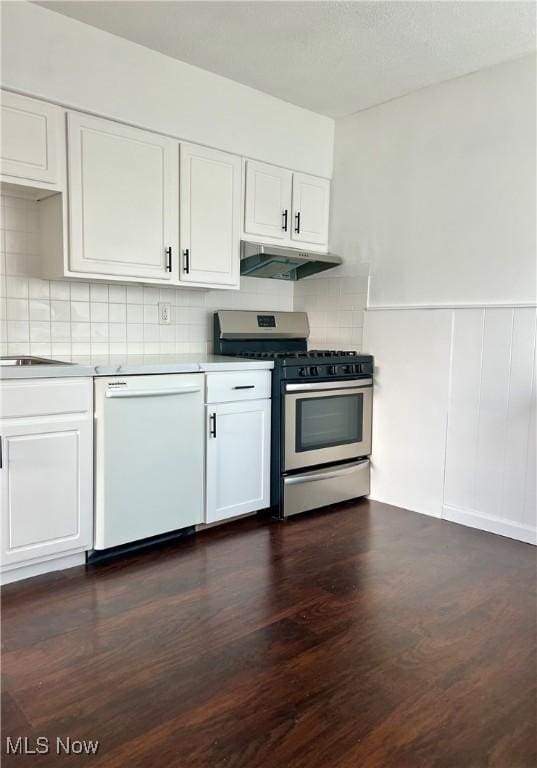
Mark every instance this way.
x=238 y=444
x=123 y=207
x=292 y=208
x=210 y=208
x=46 y=474
x=32 y=143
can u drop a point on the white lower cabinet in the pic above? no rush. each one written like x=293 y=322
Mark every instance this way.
x=238 y=458
x=46 y=475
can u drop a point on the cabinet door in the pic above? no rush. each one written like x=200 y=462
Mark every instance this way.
x=238 y=458
x=122 y=200
x=46 y=487
x=267 y=200
x=311 y=205
x=31 y=133
x=210 y=216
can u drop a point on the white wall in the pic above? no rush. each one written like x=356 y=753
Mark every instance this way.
x=50 y=56
x=437 y=193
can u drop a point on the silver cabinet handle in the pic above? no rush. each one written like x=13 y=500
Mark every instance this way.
x=151 y=392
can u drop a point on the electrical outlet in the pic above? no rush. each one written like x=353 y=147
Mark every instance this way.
x=164 y=313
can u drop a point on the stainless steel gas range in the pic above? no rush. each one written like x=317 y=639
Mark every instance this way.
x=322 y=404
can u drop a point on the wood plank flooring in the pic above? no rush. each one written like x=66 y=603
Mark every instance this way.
x=364 y=636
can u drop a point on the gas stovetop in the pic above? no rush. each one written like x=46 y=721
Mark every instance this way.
x=292 y=356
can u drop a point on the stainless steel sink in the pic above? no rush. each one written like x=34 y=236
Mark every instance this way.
x=29 y=360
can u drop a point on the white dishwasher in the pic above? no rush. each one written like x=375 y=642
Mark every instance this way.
x=149 y=456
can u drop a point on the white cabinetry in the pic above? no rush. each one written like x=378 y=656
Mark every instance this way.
x=33 y=141
x=46 y=478
x=123 y=208
x=238 y=444
x=267 y=200
x=292 y=208
x=311 y=203
x=210 y=216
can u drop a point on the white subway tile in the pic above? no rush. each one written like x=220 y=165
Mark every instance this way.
x=17 y=309
x=117 y=313
x=39 y=309
x=151 y=295
x=60 y=290
x=135 y=313
x=135 y=332
x=80 y=348
x=135 y=294
x=17 y=330
x=150 y=314
x=98 y=312
x=80 y=331
x=60 y=331
x=80 y=311
x=117 y=294
x=39 y=331
x=39 y=289
x=98 y=332
x=79 y=291
x=117 y=332
x=60 y=310
x=98 y=292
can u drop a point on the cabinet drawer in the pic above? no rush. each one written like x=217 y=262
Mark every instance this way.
x=243 y=385
x=45 y=397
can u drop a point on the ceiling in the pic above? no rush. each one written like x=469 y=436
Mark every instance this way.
x=335 y=57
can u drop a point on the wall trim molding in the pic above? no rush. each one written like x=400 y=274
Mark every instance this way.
x=490 y=523
x=520 y=305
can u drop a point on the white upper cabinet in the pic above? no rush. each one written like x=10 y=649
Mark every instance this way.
x=267 y=200
x=311 y=205
x=123 y=209
x=210 y=200
x=33 y=139
x=286 y=206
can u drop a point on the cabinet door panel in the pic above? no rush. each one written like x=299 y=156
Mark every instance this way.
x=31 y=131
x=238 y=459
x=311 y=205
x=210 y=216
x=46 y=487
x=267 y=200
x=122 y=199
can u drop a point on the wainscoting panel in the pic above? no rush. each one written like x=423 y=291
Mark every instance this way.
x=479 y=435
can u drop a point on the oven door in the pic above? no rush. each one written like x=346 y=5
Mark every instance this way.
x=327 y=422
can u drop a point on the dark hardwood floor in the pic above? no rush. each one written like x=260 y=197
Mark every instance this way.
x=361 y=637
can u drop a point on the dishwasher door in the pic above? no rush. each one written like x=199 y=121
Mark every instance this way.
x=149 y=456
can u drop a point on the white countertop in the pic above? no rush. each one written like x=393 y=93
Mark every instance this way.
x=126 y=365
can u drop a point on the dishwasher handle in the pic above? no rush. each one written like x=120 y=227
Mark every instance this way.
x=152 y=392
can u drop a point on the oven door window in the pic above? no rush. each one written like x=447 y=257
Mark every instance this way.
x=328 y=421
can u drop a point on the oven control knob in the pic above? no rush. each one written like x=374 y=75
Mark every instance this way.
x=314 y=370
x=332 y=370
x=303 y=372
x=348 y=369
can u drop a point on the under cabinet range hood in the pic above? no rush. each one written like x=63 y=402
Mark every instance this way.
x=264 y=260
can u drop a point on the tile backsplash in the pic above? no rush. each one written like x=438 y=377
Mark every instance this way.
x=68 y=317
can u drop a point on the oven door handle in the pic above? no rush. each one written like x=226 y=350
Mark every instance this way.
x=326 y=475
x=329 y=385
